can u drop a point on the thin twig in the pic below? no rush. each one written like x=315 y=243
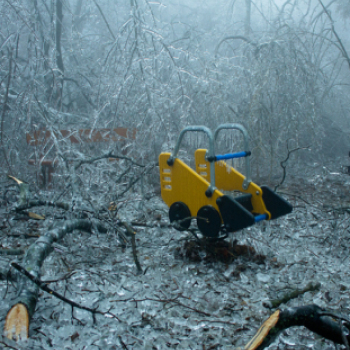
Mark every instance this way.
x=4 y=109
x=166 y=301
x=121 y=341
x=45 y=288
x=283 y=163
x=110 y=155
x=132 y=183
x=132 y=233
x=343 y=50
x=271 y=304
x=105 y=19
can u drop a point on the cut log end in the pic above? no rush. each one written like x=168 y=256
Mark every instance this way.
x=17 y=323
x=263 y=331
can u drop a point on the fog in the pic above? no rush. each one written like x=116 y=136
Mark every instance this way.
x=93 y=91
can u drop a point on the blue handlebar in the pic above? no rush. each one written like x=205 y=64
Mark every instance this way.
x=232 y=155
x=260 y=217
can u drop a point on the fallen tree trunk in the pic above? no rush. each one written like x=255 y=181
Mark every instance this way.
x=17 y=320
x=18 y=317
x=318 y=320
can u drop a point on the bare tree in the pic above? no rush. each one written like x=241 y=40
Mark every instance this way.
x=92 y=92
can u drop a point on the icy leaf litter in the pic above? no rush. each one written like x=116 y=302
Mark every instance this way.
x=179 y=304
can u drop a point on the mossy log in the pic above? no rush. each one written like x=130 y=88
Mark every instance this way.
x=275 y=303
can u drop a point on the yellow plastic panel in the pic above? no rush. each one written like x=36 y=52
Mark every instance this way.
x=180 y=183
x=229 y=179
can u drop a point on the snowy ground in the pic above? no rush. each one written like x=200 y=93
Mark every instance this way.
x=179 y=304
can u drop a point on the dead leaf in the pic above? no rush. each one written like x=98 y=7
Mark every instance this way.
x=74 y=336
x=112 y=206
x=15 y=179
x=36 y=216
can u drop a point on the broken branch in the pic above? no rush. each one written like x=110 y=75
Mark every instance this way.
x=311 y=287
x=316 y=319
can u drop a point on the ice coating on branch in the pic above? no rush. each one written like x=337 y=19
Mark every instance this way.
x=180 y=303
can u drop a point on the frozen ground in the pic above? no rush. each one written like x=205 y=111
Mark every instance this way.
x=179 y=304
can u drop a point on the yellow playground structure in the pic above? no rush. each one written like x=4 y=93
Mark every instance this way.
x=198 y=193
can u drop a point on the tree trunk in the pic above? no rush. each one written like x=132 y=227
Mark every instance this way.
x=59 y=58
x=17 y=320
x=248 y=8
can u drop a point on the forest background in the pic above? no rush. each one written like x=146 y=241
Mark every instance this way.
x=73 y=72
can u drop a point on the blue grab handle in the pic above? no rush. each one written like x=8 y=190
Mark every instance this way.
x=232 y=155
x=260 y=217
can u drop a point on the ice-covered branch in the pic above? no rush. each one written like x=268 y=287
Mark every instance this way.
x=318 y=320
x=27 y=294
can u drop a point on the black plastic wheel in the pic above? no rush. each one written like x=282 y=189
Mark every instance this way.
x=179 y=211
x=209 y=221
